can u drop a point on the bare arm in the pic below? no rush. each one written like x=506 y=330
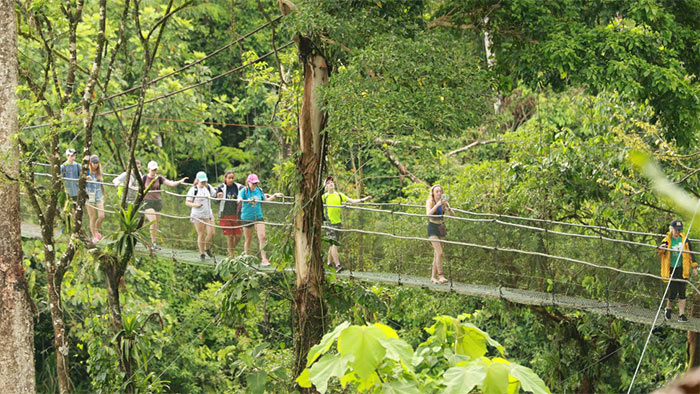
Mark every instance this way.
x=168 y=182
x=430 y=209
x=358 y=200
x=270 y=197
x=448 y=208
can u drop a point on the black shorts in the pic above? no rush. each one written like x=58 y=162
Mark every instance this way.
x=156 y=205
x=434 y=230
x=332 y=233
x=677 y=289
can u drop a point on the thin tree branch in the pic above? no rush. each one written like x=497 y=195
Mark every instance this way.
x=473 y=144
x=402 y=168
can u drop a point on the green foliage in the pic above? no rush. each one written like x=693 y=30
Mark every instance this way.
x=641 y=49
x=453 y=359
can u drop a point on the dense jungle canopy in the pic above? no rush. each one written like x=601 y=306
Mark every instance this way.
x=525 y=108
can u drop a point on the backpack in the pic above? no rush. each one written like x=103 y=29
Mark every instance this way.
x=212 y=193
x=222 y=189
x=245 y=197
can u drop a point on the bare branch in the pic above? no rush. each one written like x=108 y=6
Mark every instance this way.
x=473 y=144
x=272 y=40
x=403 y=170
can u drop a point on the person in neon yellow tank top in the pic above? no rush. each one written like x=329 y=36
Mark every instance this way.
x=332 y=200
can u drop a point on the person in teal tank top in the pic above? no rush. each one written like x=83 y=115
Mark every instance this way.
x=676 y=264
x=252 y=214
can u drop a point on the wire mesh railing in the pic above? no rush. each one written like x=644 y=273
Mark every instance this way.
x=587 y=262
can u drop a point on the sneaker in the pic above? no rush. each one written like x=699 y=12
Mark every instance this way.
x=338 y=268
x=210 y=253
x=265 y=263
x=95 y=240
x=155 y=247
x=98 y=236
x=667 y=314
x=202 y=257
x=682 y=319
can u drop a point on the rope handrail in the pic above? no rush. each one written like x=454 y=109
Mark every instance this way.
x=393 y=212
x=360 y=206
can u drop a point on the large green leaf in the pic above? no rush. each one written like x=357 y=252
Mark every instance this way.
x=528 y=379
x=400 y=387
x=326 y=367
x=496 y=381
x=256 y=382
x=471 y=341
x=470 y=335
x=463 y=378
x=398 y=350
x=326 y=343
x=362 y=343
x=303 y=379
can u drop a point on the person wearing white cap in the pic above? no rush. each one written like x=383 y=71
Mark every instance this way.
x=96 y=203
x=251 y=214
x=153 y=201
x=70 y=172
x=199 y=199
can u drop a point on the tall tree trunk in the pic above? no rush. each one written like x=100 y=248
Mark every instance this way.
x=60 y=341
x=16 y=326
x=114 y=271
x=309 y=305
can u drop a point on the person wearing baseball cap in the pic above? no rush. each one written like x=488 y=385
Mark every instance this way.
x=70 y=172
x=153 y=201
x=251 y=214
x=332 y=201
x=199 y=199
x=676 y=264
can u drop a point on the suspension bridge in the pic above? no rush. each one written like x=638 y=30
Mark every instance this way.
x=517 y=259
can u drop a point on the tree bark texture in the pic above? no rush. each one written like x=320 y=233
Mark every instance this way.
x=309 y=306
x=114 y=271
x=17 y=373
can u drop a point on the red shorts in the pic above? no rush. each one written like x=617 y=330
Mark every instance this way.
x=230 y=220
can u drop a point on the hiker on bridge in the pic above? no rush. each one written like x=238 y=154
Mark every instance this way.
x=251 y=215
x=153 y=202
x=132 y=188
x=435 y=207
x=199 y=199
x=70 y=172
x=96 y=203
x=332 y=200
x=672 y=266
x=228 y=211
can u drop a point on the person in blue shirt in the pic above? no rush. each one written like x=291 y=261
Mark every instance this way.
x=70 y=172
x=251 y=214
x=95 y=204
